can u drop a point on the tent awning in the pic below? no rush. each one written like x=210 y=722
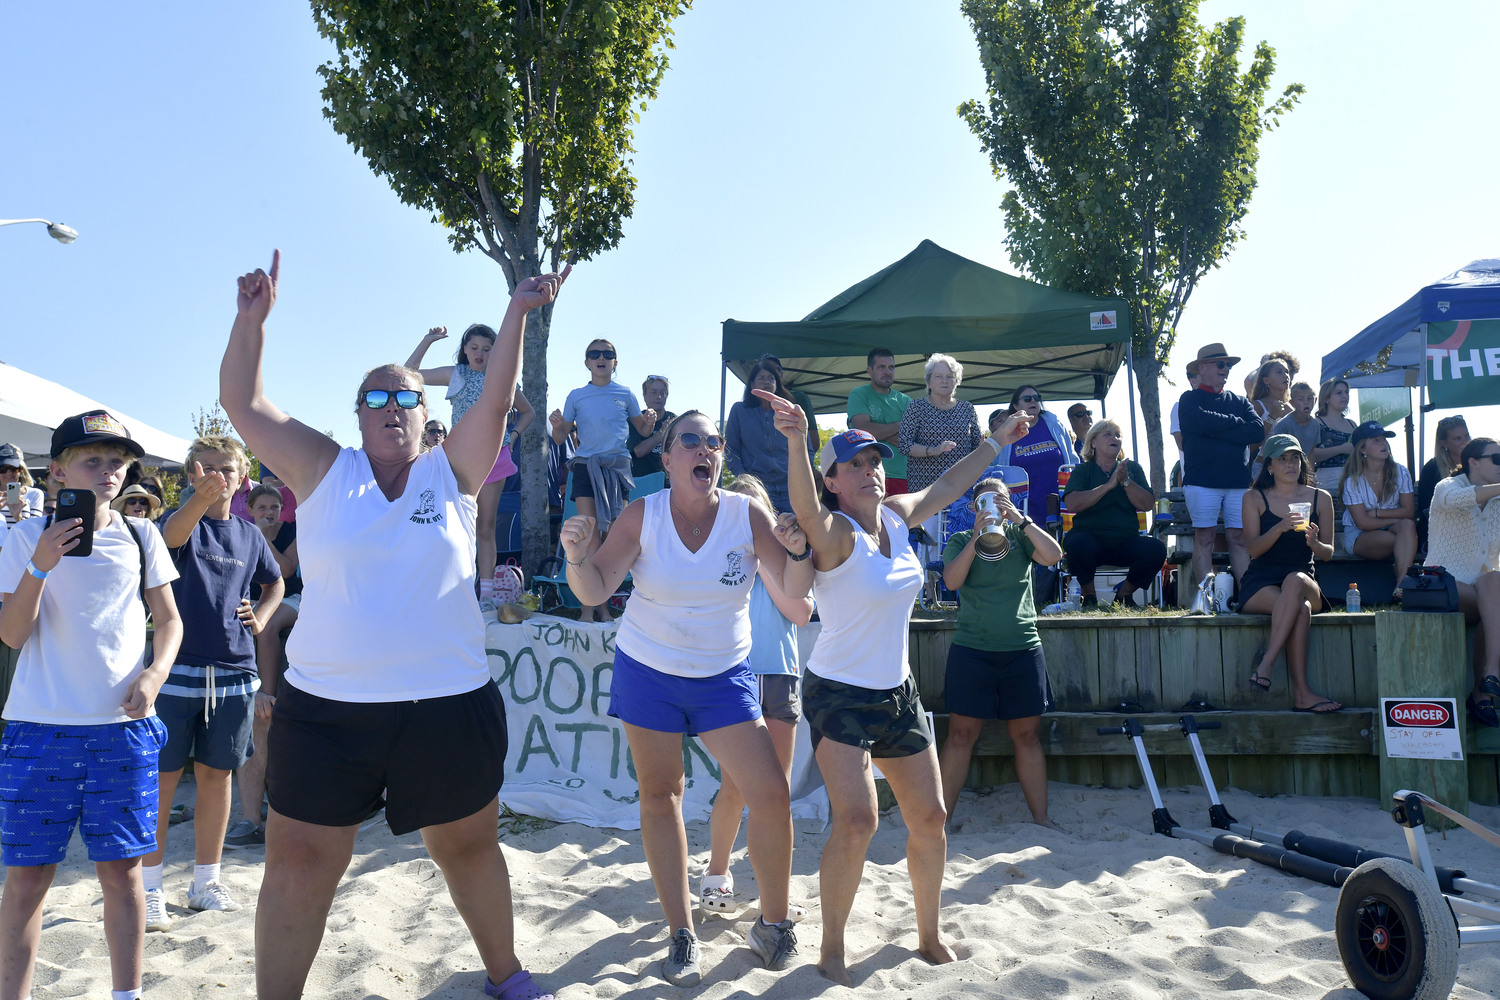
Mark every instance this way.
x=1005 y=330
x=31 y=406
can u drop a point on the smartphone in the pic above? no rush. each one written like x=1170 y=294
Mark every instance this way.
x=13 y=492
x=77 y=503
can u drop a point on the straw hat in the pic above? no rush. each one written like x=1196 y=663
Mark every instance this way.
x=152 y=504
x=1212 y=352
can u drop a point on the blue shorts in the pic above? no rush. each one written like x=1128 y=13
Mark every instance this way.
x=223 y=741
x=100 y=778
x=666 y=703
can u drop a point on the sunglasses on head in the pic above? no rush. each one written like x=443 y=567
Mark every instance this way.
x=658 y=378
x=376 y=399
x=595 y=355
x=690 y=440
x=1031 y=399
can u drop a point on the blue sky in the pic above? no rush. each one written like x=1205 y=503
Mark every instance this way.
x=795 y=149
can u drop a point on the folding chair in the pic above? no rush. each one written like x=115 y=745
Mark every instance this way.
x=959 y=516
x=551 y=580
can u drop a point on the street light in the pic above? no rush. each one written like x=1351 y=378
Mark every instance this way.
x=58 y=231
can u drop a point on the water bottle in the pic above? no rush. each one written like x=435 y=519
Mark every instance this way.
x=1075 y=593
x=1351 y=599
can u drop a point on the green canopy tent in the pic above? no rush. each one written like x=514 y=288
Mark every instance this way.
x=1005 y=330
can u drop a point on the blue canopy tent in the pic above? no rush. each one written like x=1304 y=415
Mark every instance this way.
x=1393 y=350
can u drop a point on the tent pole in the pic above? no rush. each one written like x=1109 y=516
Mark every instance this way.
x=1135 y=441
x=723 y=386
x=1422 y=404
x=1411 y=448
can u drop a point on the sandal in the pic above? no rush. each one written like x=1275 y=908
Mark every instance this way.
x=716 y=894
x=517 y=987
x=1256 y=680
x=1490 y=686
x=1483 y=712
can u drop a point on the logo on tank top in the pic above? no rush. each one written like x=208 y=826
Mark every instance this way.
x=734 y=572
x=426 y=512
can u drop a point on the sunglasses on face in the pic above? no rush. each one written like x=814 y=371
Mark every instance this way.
x=376 y=399
x=689 y=440
x=1031 y=399
x=438 y=431
x=137 y=502
x=1078 y=414
x=596 y=355
x=1223 y=366
x=1494 y=457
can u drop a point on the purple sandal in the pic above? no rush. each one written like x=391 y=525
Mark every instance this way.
x=517 y=987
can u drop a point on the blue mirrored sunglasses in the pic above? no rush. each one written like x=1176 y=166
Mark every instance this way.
x=377 y=399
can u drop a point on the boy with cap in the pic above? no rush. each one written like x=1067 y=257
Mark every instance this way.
x=82 y=739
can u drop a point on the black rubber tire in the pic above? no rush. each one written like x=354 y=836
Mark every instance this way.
x=1396 y=935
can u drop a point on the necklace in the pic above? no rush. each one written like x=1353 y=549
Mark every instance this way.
x=697 y=531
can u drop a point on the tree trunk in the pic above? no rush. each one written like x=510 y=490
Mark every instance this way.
x=1148 y=378
x=536 y=526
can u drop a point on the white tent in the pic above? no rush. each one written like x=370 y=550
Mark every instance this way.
x=31 y=406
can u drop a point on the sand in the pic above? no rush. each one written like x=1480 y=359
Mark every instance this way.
x=1102 y=910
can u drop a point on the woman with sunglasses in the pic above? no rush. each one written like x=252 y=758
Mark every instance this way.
x=755 y=446
x=858 y=692
x=24 y=499
x=465 y=381
x=645 y=449
x=1046 y=448
x=601 y=412
x=387 y=682
x=136 y=501
x=434 y=432
x=682 y=666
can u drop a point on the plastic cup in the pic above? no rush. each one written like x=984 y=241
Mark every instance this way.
x=1302 y=509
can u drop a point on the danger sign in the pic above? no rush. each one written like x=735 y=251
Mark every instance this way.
x=1422 y=728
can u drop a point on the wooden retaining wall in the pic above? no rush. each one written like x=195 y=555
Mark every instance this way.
x=1163 y=663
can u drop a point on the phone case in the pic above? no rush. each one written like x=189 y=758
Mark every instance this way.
x=80 y=504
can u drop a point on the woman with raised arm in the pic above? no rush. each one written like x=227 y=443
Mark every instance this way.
x=682 y=666
x=858 y=693
x=465 y=379
x=427 y=743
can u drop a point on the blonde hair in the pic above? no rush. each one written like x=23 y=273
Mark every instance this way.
x=72 y=452
x=1357 y=465
x=1086 y=453
x=222 y=444
x=752 y=487
x=944 y=359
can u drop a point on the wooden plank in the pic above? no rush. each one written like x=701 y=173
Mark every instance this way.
x=1192 y=664
x=1149 y=669
x=1421 y=656
x=1362 y=651
x=927 y=651
x=1239 y=647
x=1117 y=674
x=1263 y=774
x=1073 y=667
x=1069 y=734
x=1484 y=779
x=1330 y=662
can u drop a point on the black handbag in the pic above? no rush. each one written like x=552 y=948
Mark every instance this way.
x=1428 y=588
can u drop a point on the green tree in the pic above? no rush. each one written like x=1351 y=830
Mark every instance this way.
x=1129 y=137
x=511 y=122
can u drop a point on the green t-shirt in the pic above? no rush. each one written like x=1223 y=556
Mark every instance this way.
x=1112 y=516
x=886 y=409
x=996 y=612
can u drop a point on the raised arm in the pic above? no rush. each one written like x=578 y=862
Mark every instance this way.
x=432 y=376
x=303 y=455
x=914 y=508
x=474 y=443
x=594 y=575
x=830 y=541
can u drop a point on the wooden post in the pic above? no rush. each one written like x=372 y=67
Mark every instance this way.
x=1422 y=656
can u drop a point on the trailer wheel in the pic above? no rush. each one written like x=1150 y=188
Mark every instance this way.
x=1396 y=935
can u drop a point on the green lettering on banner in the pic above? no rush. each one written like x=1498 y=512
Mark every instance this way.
x=614 y=760
x=578 y=729
x=600 y=691
x=538 y=729
x=691 y=749
x=1463 y=359
x=578 y=685
x=514 y=670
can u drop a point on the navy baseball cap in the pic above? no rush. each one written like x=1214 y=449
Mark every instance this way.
x=94 y=427
x=1369 y=429
x=842 y=447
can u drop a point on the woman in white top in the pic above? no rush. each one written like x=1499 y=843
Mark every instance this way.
x=681 y=666
x=858 y=692
x=1463 y=536
x=387 y=699
x=24 y=499
x=1380 y=506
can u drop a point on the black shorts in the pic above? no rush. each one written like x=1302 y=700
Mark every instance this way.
x=583 y=486
x=335 y=763
x=779 y=698
x=885 y=723
x=988 y=685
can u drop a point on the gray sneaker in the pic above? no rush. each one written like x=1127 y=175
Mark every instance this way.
x=212 y=896
x=245 y=832
x=776 y=945
x=681 y=966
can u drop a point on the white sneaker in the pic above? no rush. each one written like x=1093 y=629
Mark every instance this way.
x=157 y=917
x=212 y=896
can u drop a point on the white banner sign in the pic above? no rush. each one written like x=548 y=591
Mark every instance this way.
x=568 y=759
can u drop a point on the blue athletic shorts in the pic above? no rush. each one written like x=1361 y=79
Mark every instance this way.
x=100 y=778
x=666 y=703
x=223 y=741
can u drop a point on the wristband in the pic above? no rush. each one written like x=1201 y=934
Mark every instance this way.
x=578 y=563
x=794 y=557
x=1026 y=522
x=995 y=444
x=31 y=568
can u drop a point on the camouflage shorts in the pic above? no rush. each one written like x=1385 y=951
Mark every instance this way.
x=886 y=723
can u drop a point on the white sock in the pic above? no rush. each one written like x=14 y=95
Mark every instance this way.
x=487 y=589
x=151 y=877
x=121 y=995
x=204 y=874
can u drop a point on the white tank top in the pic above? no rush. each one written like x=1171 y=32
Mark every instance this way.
x=388 y=608
x=690 y=613
x=865 y=606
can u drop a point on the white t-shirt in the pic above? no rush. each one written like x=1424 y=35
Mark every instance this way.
x=865 y=606
x=1174 y=427
x=89 y=641
x=1359 y=492
x=388 y=609
x=690 y=612
x=35 y=498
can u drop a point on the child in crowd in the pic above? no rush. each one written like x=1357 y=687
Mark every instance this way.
x=81 y=745
x=265 y=507
x=465 y=381
x=288 y=501
x=1300 y=423
x=602 y=412
x=209 y=697
x=774 y=620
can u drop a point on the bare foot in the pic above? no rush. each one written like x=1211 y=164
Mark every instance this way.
x=1044 y=821
x=831 y=965
x=937 y=953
